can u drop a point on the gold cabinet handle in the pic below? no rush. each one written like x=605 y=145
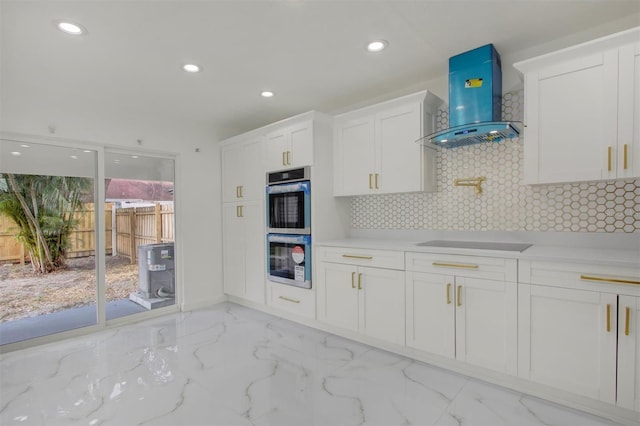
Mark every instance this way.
x=289 y=300
x=241 y=211
x=284 y=158
x=627 y=320
x=376 y=180
x=609 y=155
x=455 y=265
x=353 y=280
x=625 y=156
x=353 y=256
x=360 y=281
x=288 y=158
x=370 y=184
x=608 y=279
x=240 y=187
x=608 y=318
x=237 y=192
x=237 y=211
x=459 y=295
x=448 y=293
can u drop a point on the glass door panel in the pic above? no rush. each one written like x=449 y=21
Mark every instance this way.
x=140 y=263
x=47 y=240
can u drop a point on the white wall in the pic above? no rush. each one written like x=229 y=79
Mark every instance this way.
x=198 y=222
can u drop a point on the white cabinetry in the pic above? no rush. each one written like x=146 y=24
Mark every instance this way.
x=578 y=329
x=243 y=180
x=364 y=299
x=375 y=149
x=290 y=146
x=582 y=111
x=463 y=307
x=243 y=174
x=243 y=241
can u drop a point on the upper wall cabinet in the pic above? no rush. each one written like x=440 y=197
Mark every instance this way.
x=290 y=146
x=375 y=149
x=243 y=175
x=582 y=111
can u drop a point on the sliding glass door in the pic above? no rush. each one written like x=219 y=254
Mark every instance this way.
x=75 y=253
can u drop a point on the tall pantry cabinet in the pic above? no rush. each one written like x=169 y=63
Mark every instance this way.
x=243 y=215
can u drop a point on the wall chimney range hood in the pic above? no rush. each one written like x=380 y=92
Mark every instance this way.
x=475 y=102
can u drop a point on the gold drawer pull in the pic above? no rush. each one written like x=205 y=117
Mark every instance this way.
x=370 y=184
x=289 y=300
x=448 y=294
x=376 y=180
x=288 y=158
x=284 y=158
x=455 y=265
x=608 y=318
x=626 y=321
x=625 y=159
x=360 y=281
x=353 y=280
x=353 y=256
x=607 y=279
x=459 y=295
x=609 y=155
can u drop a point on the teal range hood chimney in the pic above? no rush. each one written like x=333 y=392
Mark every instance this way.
x=475 y=101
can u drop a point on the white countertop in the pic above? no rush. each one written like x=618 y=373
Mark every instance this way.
x=607 y=256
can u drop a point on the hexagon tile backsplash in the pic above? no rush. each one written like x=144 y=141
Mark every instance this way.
x=505 y=204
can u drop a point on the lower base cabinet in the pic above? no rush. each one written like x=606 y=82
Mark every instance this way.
x=468 y=319
x=370 y=301
x=578 y=329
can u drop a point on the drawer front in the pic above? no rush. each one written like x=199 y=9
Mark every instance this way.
x=583 y=276
x=298 y=301
x=491 y=268
x=362 y=257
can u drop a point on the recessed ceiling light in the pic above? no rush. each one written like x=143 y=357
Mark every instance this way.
x=266 y=94
x=16 y=153
x=134 y=156
x=87 y=150
x=25 y=145
x=74 y=157
x=70 y=28
x=377 y=46
x=191 y=68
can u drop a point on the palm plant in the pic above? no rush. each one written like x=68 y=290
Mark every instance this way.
x=43 y=207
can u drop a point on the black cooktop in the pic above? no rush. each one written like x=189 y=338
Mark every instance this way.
x=480 y=245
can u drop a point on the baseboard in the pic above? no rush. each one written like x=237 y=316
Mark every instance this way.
x=202 y=304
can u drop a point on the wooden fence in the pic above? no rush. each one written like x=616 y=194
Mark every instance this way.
x=147 y=224
x=137 y=226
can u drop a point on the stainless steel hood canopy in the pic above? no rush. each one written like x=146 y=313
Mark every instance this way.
x=475 y=101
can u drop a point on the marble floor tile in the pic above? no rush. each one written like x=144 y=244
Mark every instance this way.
x=231 y=365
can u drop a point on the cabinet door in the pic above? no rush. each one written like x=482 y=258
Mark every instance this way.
x=431 y=313
x=567 y=339
x=233 y=253
x=254 y=251
x=399 y=157
x=629 y=352
x=253 y=169
x=571 y=116
x=301 y=141
x=382 y=304
x=232 y=172
x=486 y=323
x=354 y=157
x=277 y=147
x=338 y=295
x=628 y=153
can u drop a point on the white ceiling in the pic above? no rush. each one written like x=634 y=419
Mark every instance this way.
x=310 y=53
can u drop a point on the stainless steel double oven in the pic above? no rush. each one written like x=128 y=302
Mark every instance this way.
x=288 y=195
